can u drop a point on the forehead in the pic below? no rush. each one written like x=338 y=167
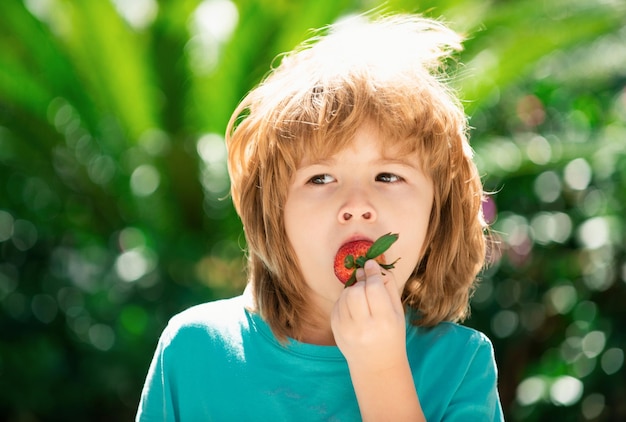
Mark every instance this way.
x=385 y=144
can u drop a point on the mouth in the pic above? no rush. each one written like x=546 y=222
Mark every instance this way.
x=346 y=256
x=356 y=251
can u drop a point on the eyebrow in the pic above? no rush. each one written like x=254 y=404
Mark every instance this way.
x=400 y=161
x=329 y=161
x=318 y=162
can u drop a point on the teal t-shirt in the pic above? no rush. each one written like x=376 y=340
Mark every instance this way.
x=220 y=362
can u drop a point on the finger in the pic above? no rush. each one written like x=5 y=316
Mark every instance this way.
x=373 y=273
x=341 y=313
x=337 y=316
x=377 y=293
x=360 y=274
x=355 y=301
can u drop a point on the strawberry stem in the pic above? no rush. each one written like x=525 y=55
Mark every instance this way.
x=348 y=262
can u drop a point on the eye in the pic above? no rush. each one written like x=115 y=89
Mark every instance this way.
x=321 y=179
x=388 y=178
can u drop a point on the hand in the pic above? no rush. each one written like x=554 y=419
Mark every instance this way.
x=368 y=321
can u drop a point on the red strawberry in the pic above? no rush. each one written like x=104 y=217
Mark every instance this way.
x=353 y=255
x=356 y=248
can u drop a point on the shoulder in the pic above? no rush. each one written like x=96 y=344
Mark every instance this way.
x=455 y=372
x=456 y=333
x=452 y=341
x=221 y=318
x=211 y=312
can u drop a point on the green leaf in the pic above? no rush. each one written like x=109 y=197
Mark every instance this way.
x=351 y=280
x=381 y=245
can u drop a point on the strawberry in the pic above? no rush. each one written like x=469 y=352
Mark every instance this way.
x=353 y=255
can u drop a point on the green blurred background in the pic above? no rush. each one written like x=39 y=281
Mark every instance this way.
x=114 y=208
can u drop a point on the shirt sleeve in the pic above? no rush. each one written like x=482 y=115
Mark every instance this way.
x=156 y=397
x=477 y=397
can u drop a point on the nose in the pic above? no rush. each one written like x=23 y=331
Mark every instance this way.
x=357 y=208
x=347 y=216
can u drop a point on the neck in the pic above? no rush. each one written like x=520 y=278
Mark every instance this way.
x=321 y=336
x=317 y=329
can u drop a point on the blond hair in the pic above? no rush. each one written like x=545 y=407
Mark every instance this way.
x=387 y=71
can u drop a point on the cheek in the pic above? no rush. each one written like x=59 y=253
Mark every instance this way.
x=291 y=213
x=412 y=242
x=408 y=262
x=295 y=222
x=301 y=229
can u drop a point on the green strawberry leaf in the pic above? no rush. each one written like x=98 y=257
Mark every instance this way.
x=351 y=280
x=381 y=245
x=389 y=266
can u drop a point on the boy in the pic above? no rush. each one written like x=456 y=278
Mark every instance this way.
x=351 y=137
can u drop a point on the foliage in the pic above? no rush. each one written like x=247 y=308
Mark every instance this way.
x=112 y=187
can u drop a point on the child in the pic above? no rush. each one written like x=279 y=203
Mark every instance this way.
x=352 y=136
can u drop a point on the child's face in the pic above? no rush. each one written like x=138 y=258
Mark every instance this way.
x=358 y=193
